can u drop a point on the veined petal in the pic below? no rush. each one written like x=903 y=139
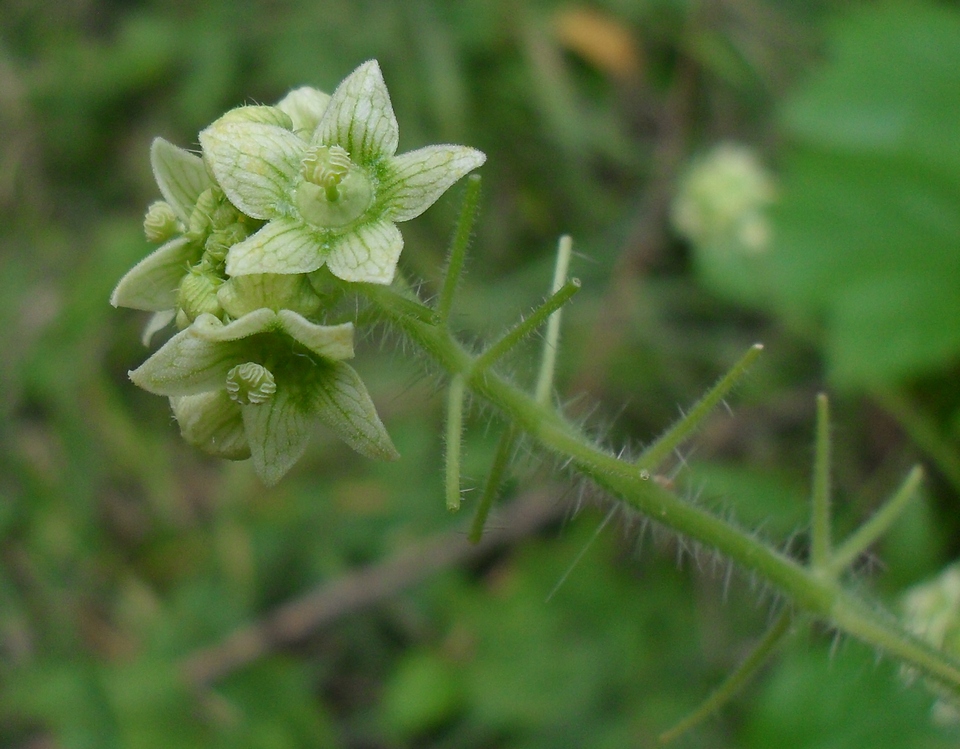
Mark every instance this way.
x=152 y=284
x=341 y=401
x=187 y=364
x=278 y=432
x=282 y=246
x=181 y=176
x=256 y=164
x=416 y=179
x=329 y=341
x=209 y=328
x=360 y=117
x=213 y=423
x=368 y=253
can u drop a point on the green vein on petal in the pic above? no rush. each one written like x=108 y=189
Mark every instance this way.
x=282 y=246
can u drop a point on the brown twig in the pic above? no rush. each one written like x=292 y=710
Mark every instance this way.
x=355 y=591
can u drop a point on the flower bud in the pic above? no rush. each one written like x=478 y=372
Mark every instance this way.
x=306 y=106
x=723 y=201
x=243 y=294
x=212 y=212
x=198 y=294
x=160 y=223
x=250 y=384
x=259 y=113
x=221 y=240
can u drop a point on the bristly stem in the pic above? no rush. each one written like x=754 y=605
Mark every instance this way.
x=820 y=595
x=736 y=681
x=458 y=247
x=526 y=326
x=501 y=460
x=681 y=430
x=561 y=291
x=548 y=360
x=820 y=522
x=454 y=435
x=868 y=533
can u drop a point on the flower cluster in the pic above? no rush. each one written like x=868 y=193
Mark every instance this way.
x=278 y=193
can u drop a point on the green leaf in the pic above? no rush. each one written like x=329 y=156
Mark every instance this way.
x=256 y=164
x=342 y=403
x=278 y=431
x=153 y=283
x=181 y=176
x=868 y=227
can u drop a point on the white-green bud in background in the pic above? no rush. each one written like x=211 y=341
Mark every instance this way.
x=722 y=200
x=931 y=610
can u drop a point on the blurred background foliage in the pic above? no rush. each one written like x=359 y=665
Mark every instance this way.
x=123 y=553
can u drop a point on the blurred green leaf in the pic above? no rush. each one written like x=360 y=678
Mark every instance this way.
x=868 y=227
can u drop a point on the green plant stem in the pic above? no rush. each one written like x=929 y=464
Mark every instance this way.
x=454 y=435
x=868 y=533
x=674 y=437
x=551 y=342
x=820 y=596
x=458 y=247
x=736 y=681
x=491 y=488
x=820 y=522
x=526 y=326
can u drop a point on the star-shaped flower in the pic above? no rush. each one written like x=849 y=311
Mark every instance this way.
x=253 y=388
x=332 y=195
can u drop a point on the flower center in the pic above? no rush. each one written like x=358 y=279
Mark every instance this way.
x=335 y=191
x=250 y=384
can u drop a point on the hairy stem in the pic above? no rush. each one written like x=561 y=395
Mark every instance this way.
x=815 y=593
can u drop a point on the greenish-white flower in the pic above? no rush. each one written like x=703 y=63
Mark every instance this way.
x=331 y=195
x=254 y=386
x=723 y=201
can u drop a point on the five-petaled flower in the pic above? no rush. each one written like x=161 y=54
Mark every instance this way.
x=330 y=196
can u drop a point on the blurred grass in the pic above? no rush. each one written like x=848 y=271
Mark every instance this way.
x=122 y=551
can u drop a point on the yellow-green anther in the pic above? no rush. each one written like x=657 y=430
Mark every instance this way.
x=250 y=384
x=160 y=223
x=198 y=294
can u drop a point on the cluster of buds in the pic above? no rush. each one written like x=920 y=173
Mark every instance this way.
x=282 y=199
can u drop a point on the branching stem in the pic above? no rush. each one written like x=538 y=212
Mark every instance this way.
x=819 y=595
